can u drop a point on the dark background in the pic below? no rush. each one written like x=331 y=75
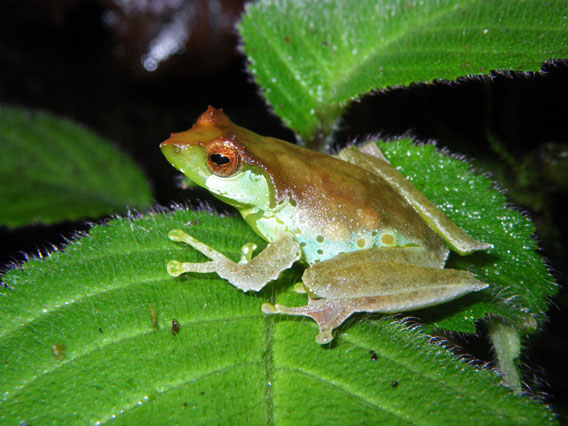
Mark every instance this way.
x=84 y=59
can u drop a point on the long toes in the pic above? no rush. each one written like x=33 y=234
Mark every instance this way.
x=175 y=268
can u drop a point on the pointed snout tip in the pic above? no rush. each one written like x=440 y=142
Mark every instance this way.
x=175 y=140
x=169 y=141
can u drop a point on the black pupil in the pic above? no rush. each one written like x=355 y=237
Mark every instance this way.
x=219 y=159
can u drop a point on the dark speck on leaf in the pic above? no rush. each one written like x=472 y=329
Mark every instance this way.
x=58 y=351
x=175 y=327
x=100 y=330
x=287 y=40
x=154 y=315
x=374 y=356
x=185 y=404
x=394 y=383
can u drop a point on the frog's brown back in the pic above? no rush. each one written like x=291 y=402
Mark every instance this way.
x=337 y=198
x=342 y=199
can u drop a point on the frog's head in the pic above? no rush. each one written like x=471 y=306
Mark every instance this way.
x=216 y=155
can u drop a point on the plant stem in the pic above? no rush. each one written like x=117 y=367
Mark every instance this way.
x=507 y=344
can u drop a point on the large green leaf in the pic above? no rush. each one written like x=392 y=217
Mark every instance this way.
x=52 y=170
x=88 y=332
x=312 y=58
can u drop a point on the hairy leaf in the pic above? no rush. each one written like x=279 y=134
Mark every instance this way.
x=520 y=284
x=89 y=331
x=52 y=170
x=312 y=58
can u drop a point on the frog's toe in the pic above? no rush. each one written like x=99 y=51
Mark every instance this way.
x=246 y=252
x=324 y=337
x=327 y=314
x=300 y=288
x=177 y=235
x=268 y=309
x=174 y=268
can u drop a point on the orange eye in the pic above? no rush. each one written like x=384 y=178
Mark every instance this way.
x=222 y=159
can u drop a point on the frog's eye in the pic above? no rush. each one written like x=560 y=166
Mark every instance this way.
x=222 y=159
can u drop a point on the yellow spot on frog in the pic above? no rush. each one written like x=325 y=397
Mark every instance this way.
x=387 y=239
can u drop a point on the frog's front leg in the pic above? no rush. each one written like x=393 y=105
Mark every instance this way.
x=252 y=275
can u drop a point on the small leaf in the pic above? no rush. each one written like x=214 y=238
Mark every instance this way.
x=52 y=170
x=87 y=337
x=312 y=58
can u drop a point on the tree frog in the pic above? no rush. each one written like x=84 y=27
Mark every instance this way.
x=371 y=241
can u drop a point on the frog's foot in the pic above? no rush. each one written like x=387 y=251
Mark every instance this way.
x=248 y=274
x=328 y=314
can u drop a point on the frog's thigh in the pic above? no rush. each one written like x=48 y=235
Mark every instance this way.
x=415 y=255
x=412 y=287
x=383 y=272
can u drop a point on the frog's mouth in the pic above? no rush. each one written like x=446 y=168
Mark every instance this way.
x=188 y=159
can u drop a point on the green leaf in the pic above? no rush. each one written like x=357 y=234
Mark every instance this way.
x=88 y=333
x=88 y=330
x=520 y=284
x=52 y=170
x=312 y=58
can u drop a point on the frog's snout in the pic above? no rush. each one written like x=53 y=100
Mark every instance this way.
x=173 y=142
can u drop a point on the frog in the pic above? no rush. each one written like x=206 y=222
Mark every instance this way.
x=370 y=241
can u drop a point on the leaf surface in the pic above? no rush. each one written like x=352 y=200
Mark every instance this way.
x=312 y=58
x=520 y=283
x=53 y=169
x=88 y=332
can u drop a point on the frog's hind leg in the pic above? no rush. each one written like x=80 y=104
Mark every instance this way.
x=328 y=314
x=362 y=282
